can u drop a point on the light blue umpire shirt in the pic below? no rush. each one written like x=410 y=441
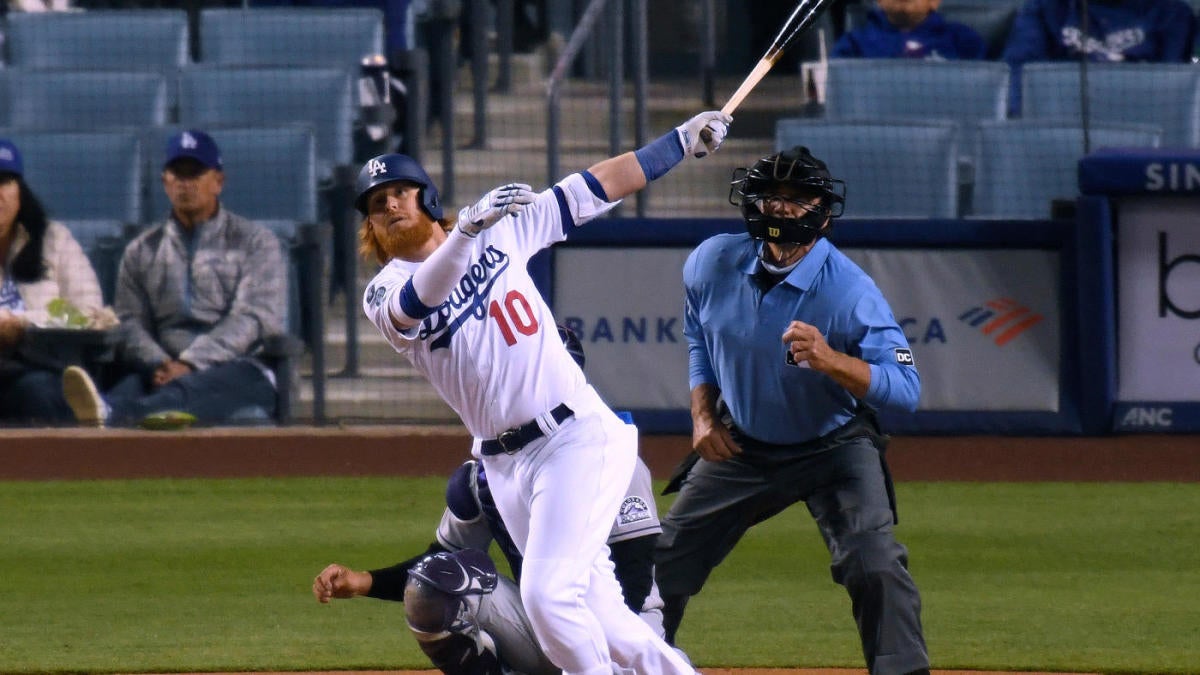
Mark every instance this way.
x=735 y=329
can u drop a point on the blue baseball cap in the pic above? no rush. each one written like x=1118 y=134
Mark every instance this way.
x=10 y=158
x=193 y=144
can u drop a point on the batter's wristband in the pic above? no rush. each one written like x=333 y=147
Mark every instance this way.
x=660 y=155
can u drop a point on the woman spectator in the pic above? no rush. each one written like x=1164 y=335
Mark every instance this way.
x=39 y=261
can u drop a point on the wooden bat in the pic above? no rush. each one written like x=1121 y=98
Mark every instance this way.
x=804 y=16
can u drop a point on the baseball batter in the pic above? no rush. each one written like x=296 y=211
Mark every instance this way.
x=457 y=301
x=466 y=617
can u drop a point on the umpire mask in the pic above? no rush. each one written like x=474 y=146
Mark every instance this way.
x=789 y=176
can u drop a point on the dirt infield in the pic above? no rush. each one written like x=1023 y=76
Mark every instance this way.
x=705 y=671
x=416 y=451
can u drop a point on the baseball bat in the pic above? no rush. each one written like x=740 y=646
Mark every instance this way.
x=805 y=14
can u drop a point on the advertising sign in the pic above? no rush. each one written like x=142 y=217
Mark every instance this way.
x=984 y=325
x=1158 y=311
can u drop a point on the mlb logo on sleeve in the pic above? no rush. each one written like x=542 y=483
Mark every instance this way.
x=905 y=357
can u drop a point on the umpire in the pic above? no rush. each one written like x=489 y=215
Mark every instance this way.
x=791 y=348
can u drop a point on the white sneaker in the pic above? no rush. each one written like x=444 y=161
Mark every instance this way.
x=84 y=398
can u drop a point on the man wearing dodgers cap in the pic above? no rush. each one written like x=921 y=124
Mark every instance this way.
x=196 y=295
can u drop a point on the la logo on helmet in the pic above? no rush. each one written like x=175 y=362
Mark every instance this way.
x=376 y=167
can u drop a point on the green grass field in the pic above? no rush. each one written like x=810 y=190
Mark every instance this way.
x=195 y=575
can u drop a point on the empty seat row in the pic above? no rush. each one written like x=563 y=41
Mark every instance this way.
x=208 y=96
x=1164 y=95
x=909 y=169
x=159 y=39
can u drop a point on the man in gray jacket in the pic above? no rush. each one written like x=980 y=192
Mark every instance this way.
x=196 y=296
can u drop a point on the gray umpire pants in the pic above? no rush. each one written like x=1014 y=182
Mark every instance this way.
x=847 y=492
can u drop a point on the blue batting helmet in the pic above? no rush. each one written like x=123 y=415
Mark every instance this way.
x=389 y=169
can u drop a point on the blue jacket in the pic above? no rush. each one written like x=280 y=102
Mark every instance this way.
x=934 y=38
x=1162 y=31
x=1132 y=30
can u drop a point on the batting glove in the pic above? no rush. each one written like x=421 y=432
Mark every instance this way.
x=504 y=200
x=704 y=133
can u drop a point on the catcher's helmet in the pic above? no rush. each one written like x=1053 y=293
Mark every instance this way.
x=797 y=170
x=389 y=169
x=574 y=347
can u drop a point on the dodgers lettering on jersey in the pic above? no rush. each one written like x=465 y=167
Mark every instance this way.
x=491 y=349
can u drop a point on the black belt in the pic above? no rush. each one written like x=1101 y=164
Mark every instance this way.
x=518 y=437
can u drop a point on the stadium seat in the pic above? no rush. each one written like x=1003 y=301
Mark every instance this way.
x=1021 y=167
x=323 y=37
x=103 y=240
x=966 y=92
x=84 y=175
x=892 y=168
x=1162 y=94
x=150 y=39
x=83 y=100
x=992 y=19
x=214 y=96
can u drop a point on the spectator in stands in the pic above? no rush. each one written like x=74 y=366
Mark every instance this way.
x=39 y=261
x=1162 y=31
x=196 y=295
x=911 y=29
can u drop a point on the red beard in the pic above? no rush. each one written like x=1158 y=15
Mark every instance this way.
x=398 y=241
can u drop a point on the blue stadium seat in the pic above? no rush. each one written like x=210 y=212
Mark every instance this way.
x=310 y=36
x=84 y=175
x=151 y=39
x=103 y=240
x=1022 y=166
x=966 y=92
x=892 y=168
x=83 y=100
x=213 y=96
x=1162 y=94
x=992 y=19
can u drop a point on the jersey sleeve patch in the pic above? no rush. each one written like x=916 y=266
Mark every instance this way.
x=904 y=357
x=633 y=510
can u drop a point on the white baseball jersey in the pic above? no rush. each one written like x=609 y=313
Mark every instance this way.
x=491 y=350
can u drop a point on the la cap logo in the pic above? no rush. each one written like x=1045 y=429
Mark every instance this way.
x=376 y=167
x=6 y=155
x=188 y=141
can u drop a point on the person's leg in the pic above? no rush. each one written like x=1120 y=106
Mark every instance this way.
x=855 y=518
x=718 y=502
x=213 y=395
x=34 y=397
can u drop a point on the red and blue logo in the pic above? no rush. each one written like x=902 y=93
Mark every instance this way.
x=1003 y=319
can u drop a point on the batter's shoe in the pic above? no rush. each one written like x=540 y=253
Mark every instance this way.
x=85 y=400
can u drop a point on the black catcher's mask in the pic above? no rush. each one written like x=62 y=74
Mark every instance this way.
x=804 y=175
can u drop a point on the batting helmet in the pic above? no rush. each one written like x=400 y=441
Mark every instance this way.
x=806 y=176
x=390 y=168
x=573 y=344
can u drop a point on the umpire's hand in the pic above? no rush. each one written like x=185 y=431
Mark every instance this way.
x=339 y=581
x=712 y=440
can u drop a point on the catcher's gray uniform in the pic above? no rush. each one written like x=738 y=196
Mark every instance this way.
x=467 y=626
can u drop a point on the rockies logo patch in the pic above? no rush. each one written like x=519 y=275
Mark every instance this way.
x=633 y=509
